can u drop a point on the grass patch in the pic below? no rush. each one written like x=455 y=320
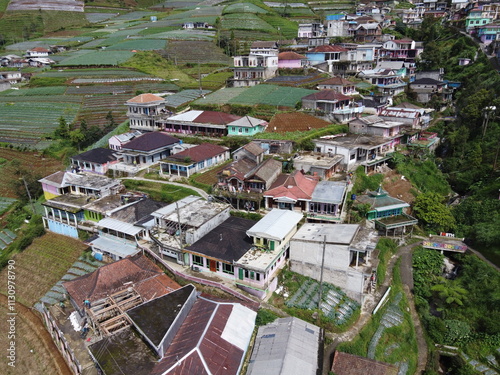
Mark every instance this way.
x=152 y=63
x=387 y=248
x=425 y=175
x=158 y=191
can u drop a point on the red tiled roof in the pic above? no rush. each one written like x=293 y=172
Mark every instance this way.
x=216 y=118
x=297 y=186
x=331 y=95
x=294 y=121
x=146 y=98
x=150 y=141
x=201 y=152
x=337 y=81
x=328 y=48
x=39 y=49
x=349 y=364
x=145 y=276
x=290 y=55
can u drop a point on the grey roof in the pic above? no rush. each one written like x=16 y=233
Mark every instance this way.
x=119 y=248
x=266 y=170
x=119 y=226
x=288 y=346
x=329 y=192
x=97 y=155
x=276 y=224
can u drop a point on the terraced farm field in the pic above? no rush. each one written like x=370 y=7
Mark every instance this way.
x=196 y=52
x=95 y=109
x=97 y=58
x=30 y=118
x=43 y=264
x=41 y=166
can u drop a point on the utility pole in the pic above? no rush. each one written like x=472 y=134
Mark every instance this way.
x=321 y=276
x=488 y=112
x=29 y=195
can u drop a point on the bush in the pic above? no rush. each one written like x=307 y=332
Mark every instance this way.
x=264 y=317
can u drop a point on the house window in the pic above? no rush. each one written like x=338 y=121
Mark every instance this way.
x=228 y=268
x=198 y=260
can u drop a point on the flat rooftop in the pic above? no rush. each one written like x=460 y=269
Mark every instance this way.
x=319 y=160
x=342 y=234
x=258 y=259
x=356 y=141
x=69 y=202
x=193 y=214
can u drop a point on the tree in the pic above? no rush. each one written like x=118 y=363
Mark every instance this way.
x=450 y=292
x=429 y=208
x=62 y=130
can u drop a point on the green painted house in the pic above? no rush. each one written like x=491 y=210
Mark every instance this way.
x=381 y=204
x=246 y=126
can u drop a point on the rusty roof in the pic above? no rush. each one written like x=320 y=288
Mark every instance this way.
x=349 y=364
x=146 y=98
x=111 y=278
x=266 y=170
x=202 y=346
x=290 y=55
x=199 y=153
x=330 y=95
x=328 y=48
x=216 y=118
x=296 y=186
x=338 y=81
x=295 y=121
x=150 y=141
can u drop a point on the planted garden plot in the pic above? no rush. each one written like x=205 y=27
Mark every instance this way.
x=178 y=4
x=91 y=73
x=271 y=95
x=134 y=16
x=99 y=17
x=96 y=108
x=5 y=203
x=196 y=52
x=222 y=96
x=42 y=264
x=185 y=35
x=139 y=45
x=33 y=119
x=335 y=304
x=181 y=98
x=49 y=90
x=97 y=58
x=246 y=21
x=243 y=8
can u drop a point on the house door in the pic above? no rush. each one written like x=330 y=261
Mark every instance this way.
x=240 y=274
x=213 y=265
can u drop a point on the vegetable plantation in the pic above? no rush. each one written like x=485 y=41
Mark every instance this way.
x=97 y=58
x=246 y=21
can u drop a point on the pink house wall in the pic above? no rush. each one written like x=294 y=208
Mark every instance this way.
x=289 y=64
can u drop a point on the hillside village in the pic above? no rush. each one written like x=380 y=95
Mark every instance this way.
x=243 y=178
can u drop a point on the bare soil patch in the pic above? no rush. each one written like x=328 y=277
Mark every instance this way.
x=36 y=353
x=398 y=187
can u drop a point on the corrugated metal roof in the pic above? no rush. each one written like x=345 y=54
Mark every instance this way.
x=119 y=226
x=288 y=346
x=119 y=248
x=186 y=116
x=276 y=224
